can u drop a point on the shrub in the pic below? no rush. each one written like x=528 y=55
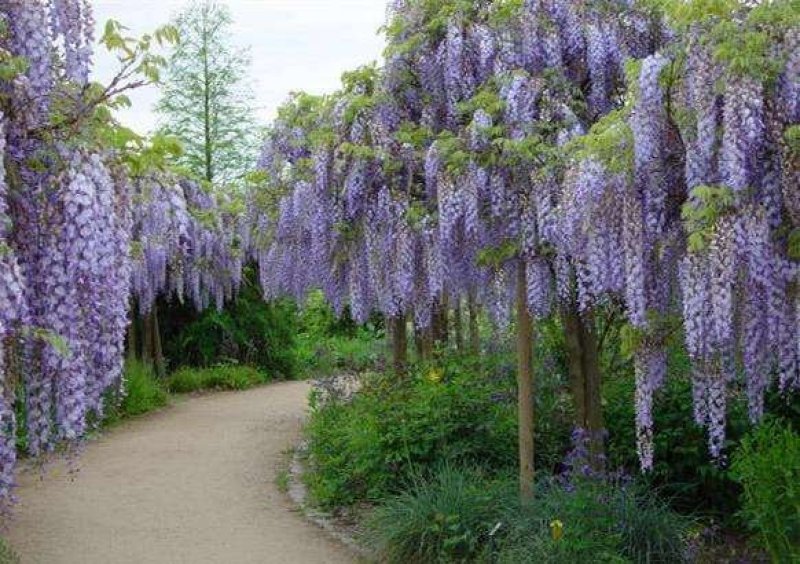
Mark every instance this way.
x=459 y=411
x=600 y=521
x=247 y=331
x=684 y=473
x=768 y=467
x=447 y=516
x=224 y=377
x=144 y=392
x=325 y=355
x=457 y=515
x=328 y=345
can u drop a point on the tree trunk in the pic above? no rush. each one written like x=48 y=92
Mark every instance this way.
x=133 y=340
x=158 y=352
x=440 y=324
x=474 y=335
x=525 y=389
x=593 y=393
x=152 y=352
x=422 y=343
x=445 y=340
x=419 y=347
x=585 y=380
x=458 y=326
x=208 y=151
x=399 y=345
x=147 y=338
x=572 y=336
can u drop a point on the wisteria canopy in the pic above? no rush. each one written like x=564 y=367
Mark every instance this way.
x=626 y=153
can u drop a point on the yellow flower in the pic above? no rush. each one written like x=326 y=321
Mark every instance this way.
x=557 y=529
x=435 y=375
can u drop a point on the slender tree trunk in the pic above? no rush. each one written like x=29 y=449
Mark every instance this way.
x=152 y=352
x=439 y=326
x=585 y=380
x=593 y=393
x=133 y=341
x=458 y=326
x=399 y=345
x=418 y=345
x=422 y=343
x=525 y=389
x=158 y=352
x=147 y=339
x=474 y=335
x=208 y=149
x=572 y=336
x=445 y=322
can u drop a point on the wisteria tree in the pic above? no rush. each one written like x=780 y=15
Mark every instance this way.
x=540 y=153
x=81 y=199
x=577 y=160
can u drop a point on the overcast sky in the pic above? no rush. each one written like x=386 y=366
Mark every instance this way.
x=295 y=44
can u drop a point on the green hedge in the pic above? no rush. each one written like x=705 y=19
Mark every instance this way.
x=225 y=377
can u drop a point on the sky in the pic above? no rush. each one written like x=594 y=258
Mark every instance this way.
x=295 y=45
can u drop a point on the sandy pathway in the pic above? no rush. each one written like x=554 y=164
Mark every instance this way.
x=192 y=484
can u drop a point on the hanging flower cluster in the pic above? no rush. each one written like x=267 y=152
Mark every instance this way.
x=80 y=235
x=616 y=153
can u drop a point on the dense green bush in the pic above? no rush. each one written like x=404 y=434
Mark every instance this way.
x=223 y=377
x=143 y=392
x=768 y=467
x=601 y=521
x=326 y=355
x=445 y=517
x=466 y=516
x=458 y=410
x=248 y=331
x=327 y=345
x=684 y=472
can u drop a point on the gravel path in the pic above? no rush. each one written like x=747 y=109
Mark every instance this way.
x=192 y=484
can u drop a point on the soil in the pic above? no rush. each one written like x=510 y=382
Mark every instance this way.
x=195 y=483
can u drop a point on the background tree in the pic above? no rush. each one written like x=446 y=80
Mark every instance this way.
x=206 y=104
x=205 y=99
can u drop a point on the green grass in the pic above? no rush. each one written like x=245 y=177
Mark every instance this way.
x=7 y=555
x=331 y=354
x=144 y=393
x=232 y=377
x=463 y=515
x=282 y=481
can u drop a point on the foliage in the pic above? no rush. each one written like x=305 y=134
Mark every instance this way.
x=333 y=354
x=591 y=521
x=457 y=410
x=223 y=377
x=7 y=555
x=205 y=100
x=143 y=392
x=768 y=468
x=327 y=344
x=247 y=331
x=684 y=474
x=458 y=515
x=445 y=516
